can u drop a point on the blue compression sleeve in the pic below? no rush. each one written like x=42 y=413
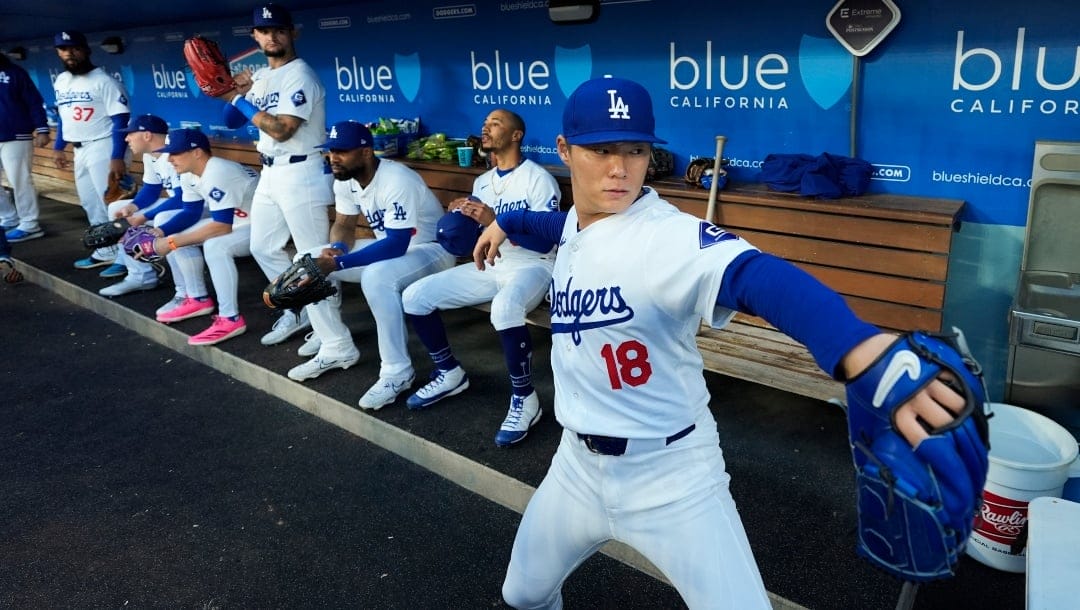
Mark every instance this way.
x=796 y=303
x=393 y=245
x=147 y=195
x=225 y=216
x=545 y=225
x=172 y=203
x=188 y=215
x=59 y=143
x=232 y=116
x=119 y=144
x=245 y=107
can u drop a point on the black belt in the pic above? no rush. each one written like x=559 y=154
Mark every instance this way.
x=80 y=144
x=268 y=160
x=613 y=445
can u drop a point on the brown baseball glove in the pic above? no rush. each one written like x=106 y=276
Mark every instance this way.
x=119 y=188
x=208 y=66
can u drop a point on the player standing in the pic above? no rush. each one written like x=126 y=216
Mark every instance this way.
x=287 y=102
x=402 y=212
x=639 y=460
x=93 y=108
x=22 y=126
x=514 y=287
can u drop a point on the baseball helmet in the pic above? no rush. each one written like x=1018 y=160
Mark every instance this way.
x=457 y=233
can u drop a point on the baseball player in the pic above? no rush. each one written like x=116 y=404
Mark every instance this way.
x=514 y=288
x=93 y=109
x=22 y=126
x=287 y=102
x=639 y=459
x=160 y=183
x=228 y=188
x=402 y=212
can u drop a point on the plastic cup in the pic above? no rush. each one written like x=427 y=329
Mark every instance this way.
x=464 y=156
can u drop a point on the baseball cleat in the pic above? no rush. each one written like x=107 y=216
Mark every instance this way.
x=311 y=346
x=223 y=328
x=442 y=384
x=17 y=235
x=127 y=286
x=188 y=308
x=90 y=262
x=113 y=270
x=384 y=392
x=175 y=302
x=524 y=412
x=319 y=365
x=286 y=326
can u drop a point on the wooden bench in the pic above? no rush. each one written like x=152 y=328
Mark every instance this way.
x=887 y=255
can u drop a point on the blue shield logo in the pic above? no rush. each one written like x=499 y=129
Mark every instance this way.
x=572 y=67
x=407 y=72
x=192 y=86
x=825 y=68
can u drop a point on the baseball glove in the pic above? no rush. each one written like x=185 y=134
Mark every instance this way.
x=105 y=234
x=699 y=172
x=11 y=274
x=301 y=284
x=208 y=66
x=119 y=188
x=138 y=242
x=917 y=504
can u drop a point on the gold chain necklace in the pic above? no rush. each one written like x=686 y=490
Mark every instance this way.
x=506 y=179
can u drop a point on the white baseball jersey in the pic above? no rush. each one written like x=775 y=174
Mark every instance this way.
x=528 y=186
x=293 y=89
x=396 y=198
x=623 y=295
x=85 y=103
x=159 y=171
x=224 y=185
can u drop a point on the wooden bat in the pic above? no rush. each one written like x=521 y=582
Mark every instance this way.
x=710 y=211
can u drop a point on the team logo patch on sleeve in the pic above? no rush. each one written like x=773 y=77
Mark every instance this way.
x=710 y=235
x=298 y=98
x=217 y=194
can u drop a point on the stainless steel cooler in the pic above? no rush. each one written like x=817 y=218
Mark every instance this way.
x=1044 y=322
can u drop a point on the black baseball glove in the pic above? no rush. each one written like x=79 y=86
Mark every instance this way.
x=301 y=284
x=105 y=234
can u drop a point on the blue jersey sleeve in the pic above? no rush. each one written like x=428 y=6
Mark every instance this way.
x=393 y=245
x=545 y=225
x=795 y=302
x=147 y=195
x=172 y=203
x=233 y=117
x=189 y=214
x=119 y=144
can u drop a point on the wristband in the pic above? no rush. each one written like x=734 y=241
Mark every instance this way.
x=340 y=245
x=245 y=107
x=172 y=242
x=339 y=262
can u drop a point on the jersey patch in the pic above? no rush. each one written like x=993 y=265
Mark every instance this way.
x=298 y=98
x=123 y=99
x=710 y=235
x=217 y=194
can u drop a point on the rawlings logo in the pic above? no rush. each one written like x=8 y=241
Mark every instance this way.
x=902 y=363
x=586 y=309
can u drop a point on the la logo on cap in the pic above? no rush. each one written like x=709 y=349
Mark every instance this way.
x=65 y=36
x=167 y=142
x=266 y=13
x=333 y=132
x=618 y=108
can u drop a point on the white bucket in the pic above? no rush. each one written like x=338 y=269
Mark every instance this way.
x=1030 y=455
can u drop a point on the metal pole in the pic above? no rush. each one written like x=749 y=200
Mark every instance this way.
x=855 y=69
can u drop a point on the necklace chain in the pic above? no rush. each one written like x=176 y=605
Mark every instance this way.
x=505 y=179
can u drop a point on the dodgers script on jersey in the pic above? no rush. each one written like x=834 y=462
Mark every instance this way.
x=396 y=198
x=528 y=186
x=607 y=334
x=227 y=184
x=293 y=89
x=86 y=101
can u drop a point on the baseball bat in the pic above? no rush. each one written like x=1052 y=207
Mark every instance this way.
x=710 y=211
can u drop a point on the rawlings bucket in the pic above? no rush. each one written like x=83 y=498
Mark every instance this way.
x=1030 y=456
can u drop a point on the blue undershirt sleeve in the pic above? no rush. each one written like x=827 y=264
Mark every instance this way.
x=147 y=195
x=795 y=302
x=545 y=225
x=189 y=214
x=223 y=216
x=232 y=116
x=60 y=142
x=393 y=245
x=119 y=144
x=172 y=203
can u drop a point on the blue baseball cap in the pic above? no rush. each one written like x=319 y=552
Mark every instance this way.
x=348 y=135
x=457 y=233
x=608 y=109
x=271 y=16
x=70 y=38
x=183 y=140
x=147 y=122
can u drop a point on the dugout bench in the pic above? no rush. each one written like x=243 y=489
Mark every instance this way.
x=887 y=255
